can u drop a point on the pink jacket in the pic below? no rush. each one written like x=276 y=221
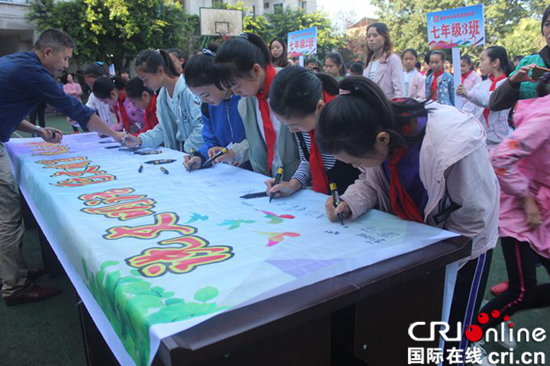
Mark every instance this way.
x=472 y=80
x=73 y=89
x=522 y=164
x=417 y=86
x=456 y=172
x=389 y=76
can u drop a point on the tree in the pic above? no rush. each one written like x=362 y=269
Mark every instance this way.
x=114 y=31
x=344 y=19
x=515 y=42
x=290 y=20
x=280 y=23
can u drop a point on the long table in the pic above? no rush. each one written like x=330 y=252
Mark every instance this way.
x=178 y=269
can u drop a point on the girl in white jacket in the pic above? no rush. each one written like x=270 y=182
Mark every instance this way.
x=423 y=163
x=494 y=63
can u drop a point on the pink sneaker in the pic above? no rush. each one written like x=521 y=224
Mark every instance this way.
x=500 y=288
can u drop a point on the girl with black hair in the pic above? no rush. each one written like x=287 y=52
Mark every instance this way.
x=520 y=85
x=111 y=91
x=243 y=65
x=469 y=76
x=299 y=112
x=178 y=110
x=145 y=100
x=494 y=63
x=105 y=111
x=334 y=66
x=279 y=56
x=423 y=163
x=414 y=82
x=179 y=58
x=440 y=86
x=222 y=124
x=383 y=65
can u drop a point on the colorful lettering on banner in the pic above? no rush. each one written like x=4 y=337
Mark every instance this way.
x=74 y=163
x=94 y=169
x=125 y=211
x=166 y=221
x=194 y=252
x=80 y=182
x=109 y=196
x=41 y=144
x=57 y=150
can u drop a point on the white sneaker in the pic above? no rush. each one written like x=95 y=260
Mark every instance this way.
x=506 y=336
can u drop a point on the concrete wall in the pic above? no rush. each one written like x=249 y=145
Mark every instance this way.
x=16 y=32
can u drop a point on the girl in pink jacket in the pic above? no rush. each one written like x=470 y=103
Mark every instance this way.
x=424 y=163
x=415 y=83
x=522 y=165
x=383 y=66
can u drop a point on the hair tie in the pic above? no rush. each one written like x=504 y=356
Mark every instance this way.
x=344 y=92
x=208 y=52
x=244 y=35
x=157 y=50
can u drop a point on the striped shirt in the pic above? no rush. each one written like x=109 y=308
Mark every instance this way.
x=303 y=173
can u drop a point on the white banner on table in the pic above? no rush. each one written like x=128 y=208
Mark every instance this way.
x=161 y=253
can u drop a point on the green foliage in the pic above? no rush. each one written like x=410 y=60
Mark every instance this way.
x=133 y=305
x=280 y=23
x=114 y=31
x=515 y=42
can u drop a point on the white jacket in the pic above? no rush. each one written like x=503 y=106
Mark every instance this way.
x=103 y=110
x=477 y=100
x=463 y=191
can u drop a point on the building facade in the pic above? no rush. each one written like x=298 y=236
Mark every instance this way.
x=16 y=32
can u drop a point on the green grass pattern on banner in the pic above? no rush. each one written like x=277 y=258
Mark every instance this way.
x=133 y=305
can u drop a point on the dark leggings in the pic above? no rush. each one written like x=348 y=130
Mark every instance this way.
x=523 y=292
x=468 y=295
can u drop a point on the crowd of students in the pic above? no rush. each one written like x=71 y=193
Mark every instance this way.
x=387 y=135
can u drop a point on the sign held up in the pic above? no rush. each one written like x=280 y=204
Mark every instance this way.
x=456 y=28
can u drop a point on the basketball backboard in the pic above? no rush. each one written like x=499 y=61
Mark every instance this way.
x=216 y=22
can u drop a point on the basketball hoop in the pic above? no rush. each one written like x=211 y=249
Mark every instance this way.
x=221 y=22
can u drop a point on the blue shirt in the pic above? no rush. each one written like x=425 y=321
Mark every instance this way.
x=223 y=127
x=24 y=82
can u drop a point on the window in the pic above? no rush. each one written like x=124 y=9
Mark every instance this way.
x=303 y=5
x=266 y=5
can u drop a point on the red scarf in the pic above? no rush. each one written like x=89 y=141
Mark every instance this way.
x=433 y=88
x=486 y=111
x=318 y=173
x=120 y=108
x=402 y=204
x=269 y=131
x=150 y=115
x=464 y=77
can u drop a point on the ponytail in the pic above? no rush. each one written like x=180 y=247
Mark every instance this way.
x=498 y=52
x=103 y=86
x=296 y=91
x=236 y=58
x=199 y=70
x=135 y=88
x=351 y=122
x=149 y=62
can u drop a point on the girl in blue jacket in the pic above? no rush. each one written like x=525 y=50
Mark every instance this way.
x=222 y=124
